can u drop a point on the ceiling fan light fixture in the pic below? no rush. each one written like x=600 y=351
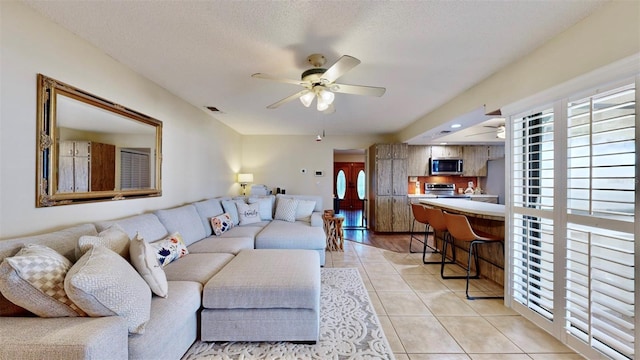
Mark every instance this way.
x=322 y=105
x=501 y=133
x=327 y=96
x=307 y=98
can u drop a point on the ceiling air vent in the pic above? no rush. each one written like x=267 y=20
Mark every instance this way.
x=445 y=131
x=213 y=109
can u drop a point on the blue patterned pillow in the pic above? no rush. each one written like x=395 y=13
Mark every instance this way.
x=221 y=223
x=170 y=249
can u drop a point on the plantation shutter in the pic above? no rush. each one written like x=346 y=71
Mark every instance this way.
x=135 y=169
x=600 y=236
x=532 y=222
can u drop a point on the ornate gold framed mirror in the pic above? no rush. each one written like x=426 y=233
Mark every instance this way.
x=91 y=149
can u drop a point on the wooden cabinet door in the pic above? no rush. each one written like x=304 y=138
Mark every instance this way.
x=399 y=177
x=103 y=167
x=384 y=180
x=418 y=160
x=400 y=150
x=383 y=151
x=80 y=173
x=401 y=214
x=475 y=160
x=384 y=214
x=440 y=151
x=496 y=152
x=65 y=174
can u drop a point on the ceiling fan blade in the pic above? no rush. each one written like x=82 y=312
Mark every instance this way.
x=287 y=99
x=358 y=89
x=482 y=133
x=339 y=68
x=282 y=80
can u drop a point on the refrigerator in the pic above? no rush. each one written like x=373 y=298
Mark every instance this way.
x=493 y=183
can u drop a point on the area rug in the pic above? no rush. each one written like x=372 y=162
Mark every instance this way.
x=349 y=328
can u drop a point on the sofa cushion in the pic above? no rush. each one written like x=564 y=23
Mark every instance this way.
x=174 y=322
x=102 y=283
x=248 y=213
x=208 y=209
x=185 y=220
x=197 y=267
x=286 y=235
x=144 y=259
x=147 y=225
x=266 y=205
x=34 y=280
x=230 y=207
x=221 y=224
x=250 y=230
x=305 y=209
x=286 y=209
x=170 y=249
x=229 y=245
x=113 y=238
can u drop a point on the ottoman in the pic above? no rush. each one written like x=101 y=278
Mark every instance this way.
x=264 y=295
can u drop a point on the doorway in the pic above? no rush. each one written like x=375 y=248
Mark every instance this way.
x=349 y=187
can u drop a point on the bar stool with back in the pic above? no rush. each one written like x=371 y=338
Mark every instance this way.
x=420 y=216
x=460 y=229
x=435 y=218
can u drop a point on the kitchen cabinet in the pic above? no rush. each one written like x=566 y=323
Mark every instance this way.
x=418 y=160
x=496 y=152
x=475 y=160
x=449 y=151
x=388 y=187
x=86 y=166
x=493 y=199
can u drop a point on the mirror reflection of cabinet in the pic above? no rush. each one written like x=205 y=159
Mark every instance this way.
x=86 y=166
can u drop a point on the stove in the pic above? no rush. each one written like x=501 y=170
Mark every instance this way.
x=443 y=190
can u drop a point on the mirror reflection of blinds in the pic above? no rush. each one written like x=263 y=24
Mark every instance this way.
x=533 y=183
x=135 y=169
x=601 y=170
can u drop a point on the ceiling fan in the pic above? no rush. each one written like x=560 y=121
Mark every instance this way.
x=319 y=83
x=500 y=131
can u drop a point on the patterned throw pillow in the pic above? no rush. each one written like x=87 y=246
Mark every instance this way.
x=305 y=209
x=143 y=258
x=34 y=280
x=249 y=213
x=102 y=283
x=266 y=206
x=113 y=238
x=170 y=249
x=221 y=223
x=286 y=209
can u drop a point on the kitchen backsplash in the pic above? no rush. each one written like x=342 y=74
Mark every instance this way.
x=460 y=181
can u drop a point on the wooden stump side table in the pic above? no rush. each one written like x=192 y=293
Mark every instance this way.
x=333 y=230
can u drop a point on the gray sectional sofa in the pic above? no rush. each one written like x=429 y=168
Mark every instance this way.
x=174 y=322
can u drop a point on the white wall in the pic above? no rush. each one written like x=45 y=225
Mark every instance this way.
x=276 y=161
x=201 y=155
x=608 y=35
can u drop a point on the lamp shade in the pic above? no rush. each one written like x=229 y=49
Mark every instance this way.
x=307 y=98
x=245 y=178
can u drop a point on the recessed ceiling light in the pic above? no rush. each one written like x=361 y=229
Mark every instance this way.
x=443 y=143
x=455 y=126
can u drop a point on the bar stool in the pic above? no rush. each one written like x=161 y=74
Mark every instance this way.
x=460 y=229
x=435 y=219
x=419 y=215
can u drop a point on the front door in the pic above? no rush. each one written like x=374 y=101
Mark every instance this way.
x=349 y=180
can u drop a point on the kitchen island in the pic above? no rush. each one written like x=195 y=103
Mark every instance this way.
x=484 y=217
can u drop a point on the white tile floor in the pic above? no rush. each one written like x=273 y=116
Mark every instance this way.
x=425 y=317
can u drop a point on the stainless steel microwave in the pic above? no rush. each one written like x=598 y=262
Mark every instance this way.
x=445 y=166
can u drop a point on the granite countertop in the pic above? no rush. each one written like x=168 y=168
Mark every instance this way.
x=473 y=208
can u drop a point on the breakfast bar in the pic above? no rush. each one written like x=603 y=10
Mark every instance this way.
x=486 y=217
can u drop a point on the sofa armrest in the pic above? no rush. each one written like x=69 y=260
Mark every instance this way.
x=316 y=219
x=64 y=338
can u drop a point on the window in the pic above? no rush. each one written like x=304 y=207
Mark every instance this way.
x=341 y=184
x=360 y=184
x=135 y=169
x=572 y=230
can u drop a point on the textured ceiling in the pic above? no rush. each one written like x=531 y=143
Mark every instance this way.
x=423 y=52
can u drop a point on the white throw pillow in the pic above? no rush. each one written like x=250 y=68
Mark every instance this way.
x=114 y=238
x=102 y=283
x=170 y=249
x=34 y=280
x=266 y=206
x=305 y=209
x=286 y=209
x=248 y=213
x=143 y=258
